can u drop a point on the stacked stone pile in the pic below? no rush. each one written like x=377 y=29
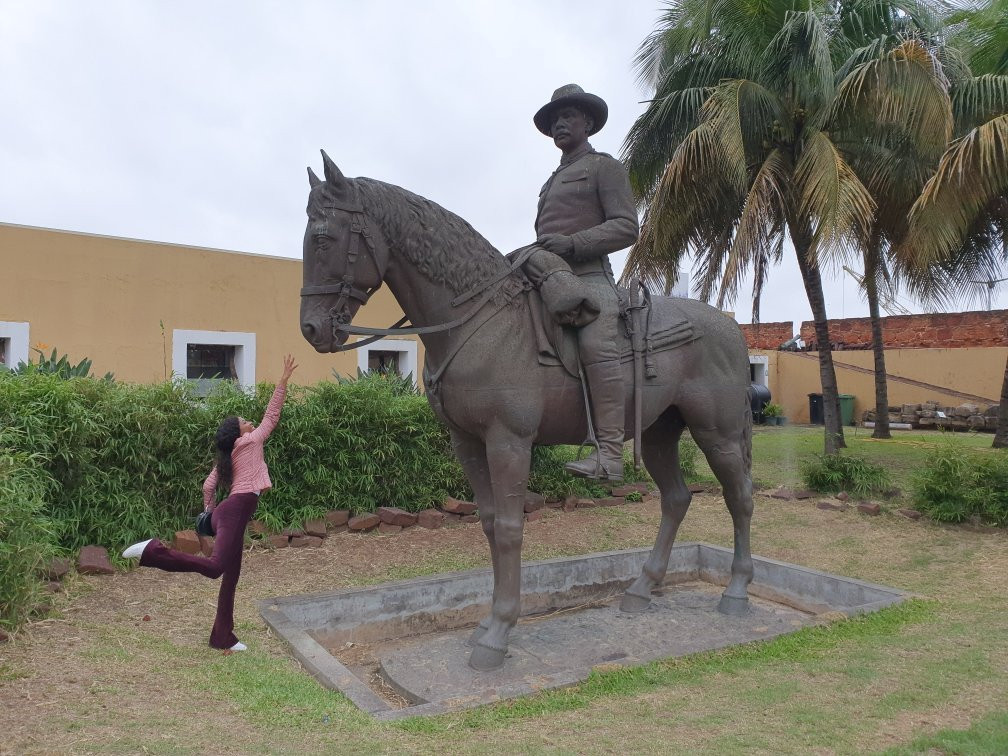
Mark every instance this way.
x=965 y=416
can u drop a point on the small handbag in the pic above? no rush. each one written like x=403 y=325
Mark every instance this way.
x=204 y=526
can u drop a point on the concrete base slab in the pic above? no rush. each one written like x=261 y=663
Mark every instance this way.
x=564 y=647
x=398 y=649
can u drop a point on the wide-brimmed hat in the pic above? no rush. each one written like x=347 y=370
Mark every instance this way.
x=572 y=94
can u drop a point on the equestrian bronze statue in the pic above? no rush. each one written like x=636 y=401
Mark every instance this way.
x=503 y=375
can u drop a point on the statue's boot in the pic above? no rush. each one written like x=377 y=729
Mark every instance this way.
x=605 y=384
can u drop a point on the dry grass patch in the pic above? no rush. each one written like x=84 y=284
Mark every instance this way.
x=99 y=677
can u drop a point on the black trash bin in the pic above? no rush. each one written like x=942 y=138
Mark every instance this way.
x=815 y=409
x=760 y=397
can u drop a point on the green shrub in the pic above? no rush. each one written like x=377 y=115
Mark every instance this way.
x=61 y=367
x=836 y=472
x=27 y=536
x=956 y=485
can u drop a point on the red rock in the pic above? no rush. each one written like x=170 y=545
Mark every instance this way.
x=94 y=560
x=316 y=528
x=534 y=515
x=697 y=488
x=292 y=532
x=830 y=505
x=869 y=508
x=388 y=527
x=910 y=514
x=206 y=545
x=396 y=516
x=534 y=501
x=3 y=636
x=843 y=496
x=623 y=490
x=642 y=488
x=805 y=494
x=278 y=541
x=314 y=541
x=364 y=522
x=585 y=503
x=187 y=542
x=610 y=501
x=782 y=493
x=258 y=528
x=56 y=569
x=570 y=503
x=336 y=517
x=299 y=542
x=457 y=506
x=554 y=503
x=470 y=518
x=146 y=618
x=54 y=586
x=430 y=519
x=451 y=519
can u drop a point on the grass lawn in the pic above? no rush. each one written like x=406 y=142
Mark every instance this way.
x=779 y=450
x=122 y=666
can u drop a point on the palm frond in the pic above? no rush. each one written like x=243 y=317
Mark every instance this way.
x=976 y=100
x=797 y=62
x=971 y=176
x=837 y=204
x=759 y=232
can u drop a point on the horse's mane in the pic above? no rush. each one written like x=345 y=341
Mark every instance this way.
x=441 y=245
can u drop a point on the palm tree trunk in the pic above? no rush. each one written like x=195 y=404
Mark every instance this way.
x=812 y=278
x=1001 y=436
x=881 y=387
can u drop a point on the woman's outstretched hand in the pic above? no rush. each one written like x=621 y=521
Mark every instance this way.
x=289 y=366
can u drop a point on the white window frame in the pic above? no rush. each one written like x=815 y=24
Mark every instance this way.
x=17 y=334
x=764 y=361
x=407 y=347
x=244 y=345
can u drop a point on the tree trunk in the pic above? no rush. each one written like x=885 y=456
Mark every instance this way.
x=1001 y=436
x=834 y=440
x=881 y=388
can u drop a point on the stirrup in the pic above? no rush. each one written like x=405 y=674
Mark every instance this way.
x=599 y=471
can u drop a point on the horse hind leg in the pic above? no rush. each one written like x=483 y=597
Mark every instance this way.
x=728 y=449
x=660 y=451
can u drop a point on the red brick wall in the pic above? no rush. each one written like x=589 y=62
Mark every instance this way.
x=946 y=330
x=767 y=335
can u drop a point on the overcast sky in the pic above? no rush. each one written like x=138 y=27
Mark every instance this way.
x=193 y=121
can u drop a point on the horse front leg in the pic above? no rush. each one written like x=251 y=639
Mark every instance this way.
x=508 y=459
x=471 y=454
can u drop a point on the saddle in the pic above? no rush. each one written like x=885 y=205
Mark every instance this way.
x=654 y=324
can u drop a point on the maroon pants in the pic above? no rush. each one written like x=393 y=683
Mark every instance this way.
x=229 y=521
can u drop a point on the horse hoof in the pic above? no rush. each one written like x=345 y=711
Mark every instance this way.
x=733 y=605
x=485 y=659
x=476 y=635
x=634 y=604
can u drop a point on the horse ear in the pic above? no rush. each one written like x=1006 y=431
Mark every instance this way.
x=312 y=178
x=333 y=174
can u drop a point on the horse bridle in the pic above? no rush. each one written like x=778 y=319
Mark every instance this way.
x=344 y=289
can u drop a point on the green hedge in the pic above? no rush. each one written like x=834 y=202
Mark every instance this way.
x=27 y=536
x=958 y=485
x=128 y=461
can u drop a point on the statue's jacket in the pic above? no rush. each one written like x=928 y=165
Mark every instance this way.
x=590 y=200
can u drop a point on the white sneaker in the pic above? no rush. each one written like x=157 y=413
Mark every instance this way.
x=134 y=551
x=239 y=646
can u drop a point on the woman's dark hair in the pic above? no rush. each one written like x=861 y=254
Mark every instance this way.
x=224 y=441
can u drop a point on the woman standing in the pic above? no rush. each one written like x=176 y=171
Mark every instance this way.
x=241 y=470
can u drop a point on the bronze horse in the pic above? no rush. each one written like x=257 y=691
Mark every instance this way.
x=484 y=379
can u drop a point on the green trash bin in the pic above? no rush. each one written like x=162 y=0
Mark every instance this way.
x=847 y=409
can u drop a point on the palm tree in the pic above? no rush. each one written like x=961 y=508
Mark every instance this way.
x=959 y=224
x=893 y=155
x=737 y=148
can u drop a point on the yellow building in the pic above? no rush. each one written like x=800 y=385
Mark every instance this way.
x=148 y=311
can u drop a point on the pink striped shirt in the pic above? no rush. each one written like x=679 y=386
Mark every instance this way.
x=248 y=467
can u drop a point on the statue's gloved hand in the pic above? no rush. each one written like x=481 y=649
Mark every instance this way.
x=558 y=244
